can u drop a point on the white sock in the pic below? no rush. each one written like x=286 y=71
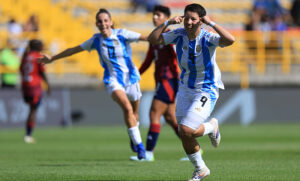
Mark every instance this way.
x=197 y=160
x=135 y=135
x=208 y=128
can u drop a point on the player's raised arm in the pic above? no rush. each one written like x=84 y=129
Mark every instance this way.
x=155 y=36
x=226 y=37
x=65 y=53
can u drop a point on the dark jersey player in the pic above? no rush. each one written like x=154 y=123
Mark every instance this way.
x=166 y=79
x=32 y=74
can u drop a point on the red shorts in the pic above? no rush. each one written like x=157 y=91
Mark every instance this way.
x=32 y=94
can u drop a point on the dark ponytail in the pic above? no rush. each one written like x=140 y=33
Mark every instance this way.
x=102 y=10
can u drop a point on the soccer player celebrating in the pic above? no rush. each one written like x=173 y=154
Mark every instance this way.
x=200 y=78
x=32 y=74
x=121 y=77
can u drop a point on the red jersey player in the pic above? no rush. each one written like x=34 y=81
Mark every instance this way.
x=32 y=74
x=166 y=78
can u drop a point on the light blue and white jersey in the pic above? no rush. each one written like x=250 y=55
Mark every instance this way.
x=115 y=56
x=196 y=59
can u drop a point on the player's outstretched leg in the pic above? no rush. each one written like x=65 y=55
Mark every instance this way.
x=130 y=117
x=193 y=152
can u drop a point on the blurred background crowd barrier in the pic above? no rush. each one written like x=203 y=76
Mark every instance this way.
x=54 y=110
x=266 y=52
x=94 y=107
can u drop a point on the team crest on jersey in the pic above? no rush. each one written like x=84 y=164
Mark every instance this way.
x=116 y=42
x=198 y=48
x=198 y=109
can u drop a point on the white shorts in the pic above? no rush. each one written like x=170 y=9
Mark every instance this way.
x=132 y=91
x=194 y=107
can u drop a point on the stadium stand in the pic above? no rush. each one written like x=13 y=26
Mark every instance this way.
x=64 y=23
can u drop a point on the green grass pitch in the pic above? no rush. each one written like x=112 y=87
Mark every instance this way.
x=257 y=152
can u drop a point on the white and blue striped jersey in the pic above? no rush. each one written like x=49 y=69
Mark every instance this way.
x=115 y=56
x=196 y=58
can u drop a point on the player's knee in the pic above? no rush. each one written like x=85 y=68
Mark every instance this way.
x=153 y=111
x=194 y=134
x=154 y=116
x=169 y=118
x=136 y=116
x=186 y=132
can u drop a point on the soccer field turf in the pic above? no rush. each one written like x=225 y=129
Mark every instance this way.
x=256 y=152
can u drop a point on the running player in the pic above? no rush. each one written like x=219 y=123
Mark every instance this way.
x=200 y=78
x=166 y=79
x=32 y=74
x=121 y=77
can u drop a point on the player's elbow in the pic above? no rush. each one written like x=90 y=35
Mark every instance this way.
x=227 y=42
x=231 y=40
x=155 y=40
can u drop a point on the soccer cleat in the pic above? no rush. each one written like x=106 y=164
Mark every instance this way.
x=29 y=139
x=200 y=174
x=149 y=157
x=215 y=136
x=134 y=158
x=133 y=147
x=141 y=152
